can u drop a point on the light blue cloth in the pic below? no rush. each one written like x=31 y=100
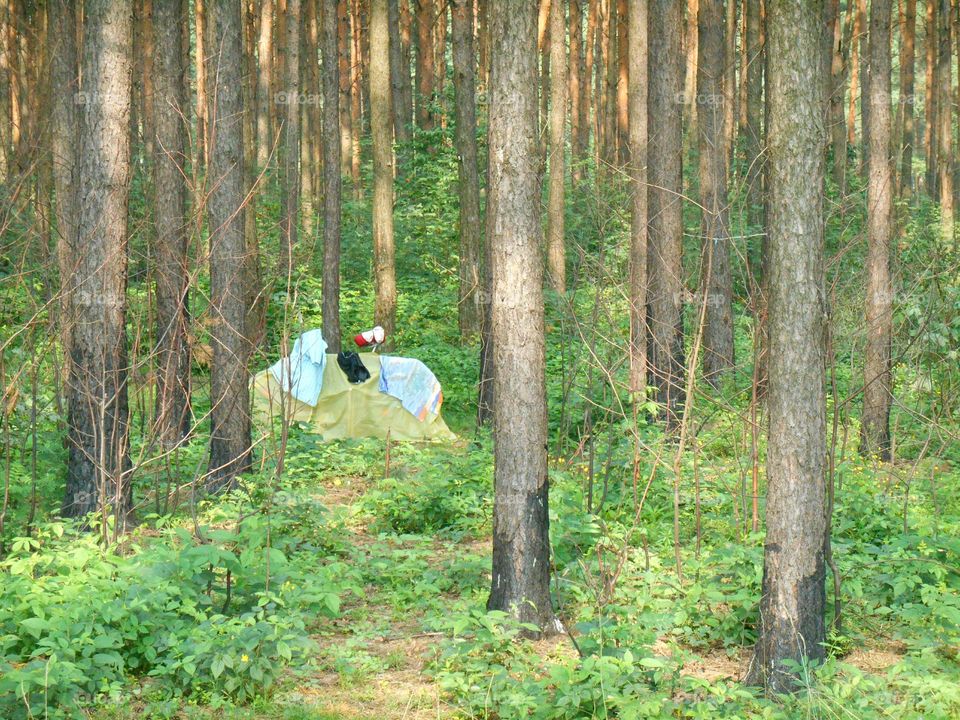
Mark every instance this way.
x=412 y=383
x=301 y=374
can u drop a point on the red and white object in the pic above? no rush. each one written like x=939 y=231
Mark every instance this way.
x=370 y=337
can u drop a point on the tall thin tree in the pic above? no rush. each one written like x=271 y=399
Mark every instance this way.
x=875 y=426
x=637 y=35
x=905 y=109
x=172 y=226
x=521 y=549
x=332 y=179
x=945 y=160
x=471 y=229
x=556 y=251
x=289 y=99
x=381 y=128
x=98 y=421
x=665 y=244
x=791 y=631
x=717 y=281
x=229 y=395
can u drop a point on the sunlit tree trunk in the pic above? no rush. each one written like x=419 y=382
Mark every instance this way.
x=623 y=82
x=930 y=141
x=716 y=283
x=398 y=60
x=200 y=20
x=98 y=463
x=690 y=43
x=576 y=77
x=665 y=244
x=426 y=15
x=907 y=64
x=637 y=18
x=791 y=627
x=521 y=548
x=332 y=177
x=753 y=108
x=556 y=252
x=309 y=119
x=64 y=75
x=289 y=102
x=945 y=121
x=382 y=130
x=836 y=119
x=171 y=226
x=471 y=229
x=587 y=107
x=346 y=118
x=406 y=77
x=875 y=426
x=229 y=395
x=264 y=82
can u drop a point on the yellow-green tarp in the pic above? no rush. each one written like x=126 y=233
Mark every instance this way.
x=345 y=410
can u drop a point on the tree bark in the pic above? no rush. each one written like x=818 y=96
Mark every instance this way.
x=521 y=548
x=945 y=122
x=907 y=64
x=309 y=109
x=98 y=463
x=229 y=396
x=65 y=76
x=754 y=101
x=623 y=83
x=556 y=253
x=637 y=36
x=665 y=249
x=289 y=101
x=716 y=282
x=264 y=82
x=471 y=229
x=792 y=602
x=425 y=68
x=406 y=77
x=837 y=122
x=875 y=426
x=587 y=110
x=382 y=130
x=576 y=76
x=864 y=50
x=930 y=141
x=332 y=178
x=171 y=227
x=200 y=18
x=401 y=128
x=346 y=116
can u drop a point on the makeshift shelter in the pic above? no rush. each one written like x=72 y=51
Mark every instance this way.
x=346 y=410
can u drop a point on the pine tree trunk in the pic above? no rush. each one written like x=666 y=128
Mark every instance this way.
x=98 y=464
x=425 y=69
x=332 y=178
x=521 y=548
x=907 y=63
x=754 y=102
x=309 y=119
x=837 y=122
x=930 y=141
x=264 y=83
x=576 y=77
x=875 y=425
x=64 y=75
x=397 y=61
x=382 y=130
x=356 y=98
x=171 y=227
x=556 y=252
x=587 y=108
x=864 y=49
x=229 y=396
x=289 y=102
x=945 y=122
x=6 y=119
x=623 y=82
x=406 y=76
x=637 y=18
x=471 y=229
x=665 y=244
x=791 y=627
x=200 y=18
x=716 y=282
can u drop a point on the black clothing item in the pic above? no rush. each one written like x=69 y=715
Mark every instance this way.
x=352 y=367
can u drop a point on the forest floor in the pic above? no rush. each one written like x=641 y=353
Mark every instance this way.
x=391 y=650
